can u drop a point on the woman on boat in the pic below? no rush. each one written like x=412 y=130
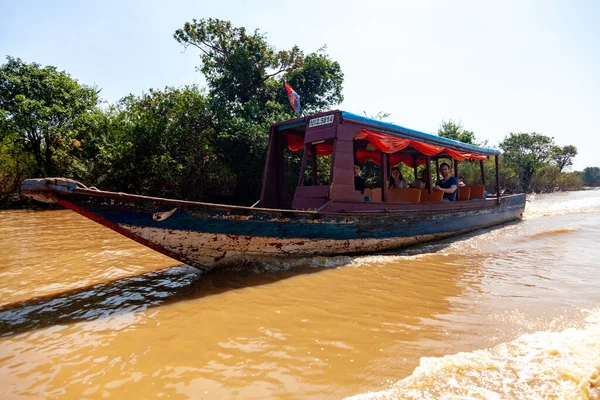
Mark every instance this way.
x=421 y=183
x=396 y=179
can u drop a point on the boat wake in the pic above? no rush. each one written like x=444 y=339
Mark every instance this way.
x=552 y=232
x=573 y=203
x=544 y=364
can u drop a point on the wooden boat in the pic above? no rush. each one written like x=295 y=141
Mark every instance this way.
x=325 y=216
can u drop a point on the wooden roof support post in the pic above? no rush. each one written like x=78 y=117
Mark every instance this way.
x=314 y=164
x=280 y=176
x=497 y=183
x=429 y=173
x=385 y=165
x=437 y=168
x=482 y=173
x=415 y=165
x=456 y=168
x=303 y=166
x=332 y=164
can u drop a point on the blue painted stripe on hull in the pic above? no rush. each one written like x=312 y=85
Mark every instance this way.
x=302 y=226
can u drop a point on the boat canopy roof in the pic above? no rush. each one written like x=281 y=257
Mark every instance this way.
x=390 y=138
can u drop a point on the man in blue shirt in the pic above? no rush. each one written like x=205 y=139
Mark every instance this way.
x=448 y=184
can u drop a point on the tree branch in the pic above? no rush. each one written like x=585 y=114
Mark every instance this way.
x=200 y=47
x=282 y=69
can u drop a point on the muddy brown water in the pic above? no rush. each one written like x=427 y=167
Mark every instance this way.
x=511 y=312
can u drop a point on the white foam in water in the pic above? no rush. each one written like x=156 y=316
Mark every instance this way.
x=545 y=364
x=572 y=202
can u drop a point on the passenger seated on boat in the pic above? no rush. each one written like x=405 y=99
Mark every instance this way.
x=396 y=180
x=448 y=184
x=359 y=182
x=421 y=183
x=418 y=184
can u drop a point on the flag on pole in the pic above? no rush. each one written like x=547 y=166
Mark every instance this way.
x=293 y=97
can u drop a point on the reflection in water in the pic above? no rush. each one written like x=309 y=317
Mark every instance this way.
x=87 y=313
x=99 y=301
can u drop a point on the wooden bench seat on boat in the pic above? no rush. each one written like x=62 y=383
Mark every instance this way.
x=434 y=197
x=376 y=195
x=395 y=195
x=464 y=193
x=477 y=192
x=404 y=195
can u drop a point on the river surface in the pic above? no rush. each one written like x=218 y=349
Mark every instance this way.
x=511 y=312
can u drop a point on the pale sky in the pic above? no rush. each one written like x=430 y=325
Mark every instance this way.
x=497 y=66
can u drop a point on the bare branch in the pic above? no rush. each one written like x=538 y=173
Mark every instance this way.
x=282 y=69
x=200 y=47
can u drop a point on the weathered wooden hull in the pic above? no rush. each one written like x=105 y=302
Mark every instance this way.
x=210 y=235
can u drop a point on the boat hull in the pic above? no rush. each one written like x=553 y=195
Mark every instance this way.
x=209 y=235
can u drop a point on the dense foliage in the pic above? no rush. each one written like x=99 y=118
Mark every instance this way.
x=245 y=92
x=454 y=130
x=590 y=176
x=539 y=162
x=209 y=143
x=179 y=142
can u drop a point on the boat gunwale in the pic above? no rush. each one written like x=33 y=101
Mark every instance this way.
x=427 y=207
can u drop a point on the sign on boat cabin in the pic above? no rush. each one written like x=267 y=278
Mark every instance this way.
x=347 y=139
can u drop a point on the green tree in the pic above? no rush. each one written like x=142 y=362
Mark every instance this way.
x=569 y=181
x=526 y=153
x=245 y=89
x=164 y=143
x=40 y=108
x=15 y=165
x=591 y=176
x=563 y=156
x=244 y=73
x=454 y=130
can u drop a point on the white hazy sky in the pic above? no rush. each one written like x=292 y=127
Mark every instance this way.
x=497 y=66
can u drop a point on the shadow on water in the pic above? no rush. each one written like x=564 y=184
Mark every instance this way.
x=173 y=284
x=127 y=295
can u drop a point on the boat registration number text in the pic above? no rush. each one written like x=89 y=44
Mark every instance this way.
x=324 y=120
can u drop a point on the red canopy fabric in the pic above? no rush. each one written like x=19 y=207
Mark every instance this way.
x=395 y=159
x=425 y=148
x=382 y=142
x=405 y=159
x=323 y=149
x=459 y=155
x=389 y=144
x=296 y=142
